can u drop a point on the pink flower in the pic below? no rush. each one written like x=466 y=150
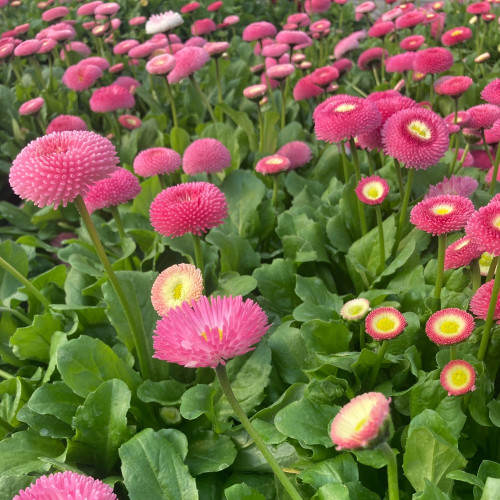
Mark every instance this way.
x=442 y=214
x=155 y=161
x=137 y=21
x=66 y=122
x=187 y=61
x=272 y=164
x=56 y=168
x=483 y=116
x=209 y=332
x=28 y=48
x=203 y=27
x=400 y=63
x=380 y=29
x=454 y=86
x=491 y=93
x=298 y=152
x=258 y=31
x=130 y=122
x=255 y=92
x=343 y=116
x=316 y=6
x=461 y=253
x=190 y=7
x=458 y=377
x=324 y=76
x=480 y=301
x=413 y=42
x=483 y=228
x=6 y=50
x=372 y=190
x=449 y=326
x=121 y=187
x=32 y=106
x=67 y=485
x=81 y=77
x=385 y=323
x=280 y=71
x=124 y=46
x=216 y=49
x=128 y=83
x=416 y=137
x=361 y=422
x=95 y=61
x=213 y=7
x=462 y=186
x=88 y=9
x=205 y=155
x=107 y=9
x=456 y=35
x=410 y=19
x=111 y=98
x=193 y=207
x=481 y=160
x=479 y=8
x=345 y=45
x=433 y=60
x=342 y=65
x=306 y=89
x=370 y=57
x=293 y=37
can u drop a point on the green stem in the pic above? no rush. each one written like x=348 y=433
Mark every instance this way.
x=31 y=288
x=203 y=97
x=489 y=317
x=476 y=275
x=347 y=174
x=399 y=176
x=172 y=104
x=6 y=375
x=392 y=470
x=495 y=173
x=357 y=171
x=17 y=314
x=198 y=253
x=453 y=352
x=455 y=156
x=217 y=76
x=431 y=90
x=402 y=214
x=492 y=269
x=221 y=372
x=378 y=363
x=381 y=244
x=362 y=341
x=137 y=329
x=440 y=266
x=283 y=105
x=261 y=129
x=121 y=231
x=371 y=166
x=377 y=81
x=275 y=190
x=456 y=110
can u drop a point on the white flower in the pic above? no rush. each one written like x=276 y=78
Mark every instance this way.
x=159 y=23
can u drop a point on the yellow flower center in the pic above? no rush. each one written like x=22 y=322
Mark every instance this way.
x=355 y=310
x=177 y=291
x=131 y=121
x=462 y=244
x=485 y=259
x=360 y=424
x=459 y=378
x=496 y=222
x=419 y=129
x=274 y=161
x=204 y=335
x=342 y=108
x=385 y=324
x=449 y=327
x=456 y=33
x=442 y=209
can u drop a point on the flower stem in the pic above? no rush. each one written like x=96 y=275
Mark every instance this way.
x=345 y=165
x=221 y=372
x=440 y=266
x=453 y=352
x=495 y=173
x=217 y=75
x=362 y=341
x=491 y=270
x=392 y=470
x=357 y=171
x=261 y=129
x=121 y=231
x=476 y=275
x=381 y=243
x=172 y=104
x=137 y=329
x=17 y=314
x=402 y=214
x=203 y=98
x=489 y=317
x=283 y=104
x=378 y=363
x=26 y=282
x=5 y=375
x=198 y=253
x=399 y=176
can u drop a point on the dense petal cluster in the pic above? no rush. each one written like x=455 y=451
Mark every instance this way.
x=272 y=164
x=188 y=60
x=433 y=60
x=483 y=228
x=205 y=155
x=156 y=161
x=372 y=190
x=480 y=301
x=66 y=122
x=458 y=377
x=298 y=152
x=385 y=323
x=449 y=326
x=355 y=309
x=461 y=253
x=111 y=98
x=491 y=93
x=159 y=23
x=454 y=86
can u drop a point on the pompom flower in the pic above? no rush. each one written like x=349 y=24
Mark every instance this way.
x=272 y=164
x=177 y=284
x=306 y=89
x=458 y=377
x=442 y=214
x=413 y=42
x=205 y=155
x=449 y=326
x=461 y=253
x=209 y=332
x=255 y=92
x=160 y=65
x=491 y=93
x=160 y=23
x=66 y=122
x=483 y=228
x=343 y=116
x=481 y=300
x=433 y=60
x=361 y=422
x=372 y=190
x=155 y=161
x=483 y=116
x=385 y=323
x=56 y=168
x=456 y=35
x=80 y=77
x=416 y=137
x=121 y=187
x=194 y=207
x=188 y=60
x=258 y=31
x=68 y=486
x=462 y=185
x=32 y=106
x=111 y=98
x=453 y=86
x=298 y=152
x=355 y=309
x=130 y=122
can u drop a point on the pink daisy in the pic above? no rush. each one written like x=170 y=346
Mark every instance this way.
x=32 y=106
x=362 y=422
x=124 y=46
x=54 y=13
x=130 y=122
x=127 y=82
x=385 y=323
x=343 y=116
x=410 y=19
x=156 y=161
x=28 y=48
x=194 y=207
x=306 y=89
x=66 y=122
x=481 y=159
x=203 y=27
x=400 y=63
x=416 y=137
x=187 y=61
x=293 y=37
x=216 y=49
x=453 y=86
x=379 y=30
x=479 y=8
x=442 y=214
x=190 y=7
x=480 y=301
x=209 y=332
x=491 y=93
x=68 y=485
x=463 y=186
x=88 y=9
x=205 y=155
x=255 y=92
x=81 y=77
x=456 y=35
x=258 y=31
x=412 y=43
x=324 y=76
x=56 y=168
x=95 y=61
x=461 y=253
x=483 y=227
x=458 y=377
x=298 y=152
x=272 y=164
x=111 y=98
x=449 y=326
x=433 y=60
x=371 y=56
x=355 y=309
x=121 y=187
x=483 y=116
x=372 y=190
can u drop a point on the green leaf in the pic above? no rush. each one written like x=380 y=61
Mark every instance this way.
x=85 y=363
x=430 y=492
x=179 y=139
x=234 y=284
x=10 y=486
x=209 y=452
x=326 y=337
x=242 y=492
x=17 y=258
x=271 y=118
x=332 y=490
x=428 y=456
x=101 y=422
x=307 y=422
x=491 y=489
x=165 y=392
x=46 y=425
x=196 y=401
x=465 y=477
x=241 y=119
x=19 y=454
x=150 y=463
x=341 y=469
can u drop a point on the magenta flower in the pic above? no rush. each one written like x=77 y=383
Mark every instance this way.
x=205 y=155
x=32 y=106
x=111 y=98
x=154 y=161
x=80 y=77
x=66 y=122
x=491 y=93
x=209 y=332
x=433 y=60
x=187 y=61
x=298 y=152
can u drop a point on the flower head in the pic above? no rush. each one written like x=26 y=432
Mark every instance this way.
x=481 y=300
x=442 y=214
x=361 y=422
x=272 y=164
x=370 y=57
x=32 y=106
x=355 y=309
x=400 y=63
x=203 y=27
x=205 y=155
x=413 y=42
x=258 y=31
x=385 y=323
x=155 y=161
x=483 y=115
x=28 y=48
x=461 y=253
x=456 y=35
x=160 y=23
x=372 y=190
x=111 y=98
x=433 y=60
x=188 y=60
x=66 y=122
x=343 y=116
x=160 y=65
x=68 y=486
x=416 y=137
x=177 y=284
x=298 y=152
x=255 y=92
x=449 y=326
x=209 y=332
x=454 y=86
x=483 y=227
x=193 y=207
x=491 y=93
x=463 y=186
x=56 y=168
x=458 y=377
x=306 y=89
x=80 y=77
